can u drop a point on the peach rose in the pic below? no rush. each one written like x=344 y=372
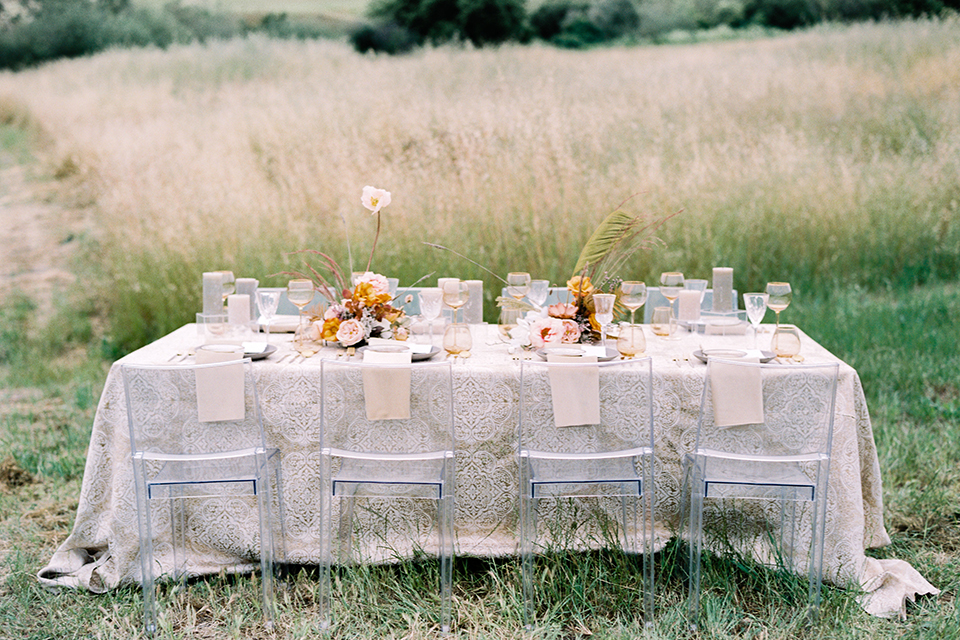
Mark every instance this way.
x=544 y=331
x=365 y=294
x=350 y=332
x=562 y=310
x=571 y=332
x=377 y=281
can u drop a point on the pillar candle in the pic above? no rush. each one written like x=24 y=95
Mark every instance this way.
x=212 y=292
x=688 y=305
x=473 y=310
x=248 y=287
x=238 y=309
x=722 y=289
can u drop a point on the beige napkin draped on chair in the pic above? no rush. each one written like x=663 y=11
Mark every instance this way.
x=575 y=391
x=386 y=392
x=220 y=390
x=737 y=393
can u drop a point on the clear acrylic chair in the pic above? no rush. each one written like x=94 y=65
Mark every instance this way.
x=612 y=461
x=779 y=468
x=179 y=460
x=381 y=478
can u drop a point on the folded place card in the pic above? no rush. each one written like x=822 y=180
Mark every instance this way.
x=737 y=393
x=575 y=391
x=413 y=347
x=386 y=392
x=220 y=389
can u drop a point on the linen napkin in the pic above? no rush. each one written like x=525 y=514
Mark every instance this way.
x=575 y=391
x=737 y=393
x=220 y=390
x=412 y=347
x=386 y=392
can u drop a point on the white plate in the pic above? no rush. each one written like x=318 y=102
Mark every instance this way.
x=733 y=354
x=576 y=350
x=414 y=356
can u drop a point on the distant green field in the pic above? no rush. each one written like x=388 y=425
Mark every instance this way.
x=333 y=8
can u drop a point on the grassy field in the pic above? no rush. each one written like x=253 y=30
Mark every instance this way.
x=829 y=158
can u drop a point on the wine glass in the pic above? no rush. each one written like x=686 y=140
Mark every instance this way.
x=457 y=340
x=431 y=305
x=779 y=298
x=300 y=293
x=633 y=295
x=631 y=340
x=603 y=312
x=756 y=306
x=518 y=284
x=268 y=302
x=455 y=295
x=228 y=284
x=539 y=292
x=671 y=283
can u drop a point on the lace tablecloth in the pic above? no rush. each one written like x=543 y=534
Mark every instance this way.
x=102 y=551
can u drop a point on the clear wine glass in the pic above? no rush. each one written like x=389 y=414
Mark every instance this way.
x=633 y=295
x=518 y=284
x=268 y=301
x=603 y=312
x=671 y=283
x=539 y=292
x=300 y=294
x=455 y=295
x=431 y=306
x=779 y=297
x=756 y=306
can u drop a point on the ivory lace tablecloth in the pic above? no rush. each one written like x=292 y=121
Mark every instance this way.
x=102 y=551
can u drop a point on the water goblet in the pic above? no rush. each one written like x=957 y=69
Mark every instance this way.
x=268 y=302
x=779 y=297
x=300 y=294
x=631 y=340
x=786 y=341
x=661 y=322
x=455 y=295
x=603 y=312
x=518 y=284
x=457 y=339
x=696 y=285
x=431 y=305
x=671 y=283
x=756 y=306
x=539 y=292
x=633 y=295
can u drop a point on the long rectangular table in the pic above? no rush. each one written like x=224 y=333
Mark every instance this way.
x=102 y=551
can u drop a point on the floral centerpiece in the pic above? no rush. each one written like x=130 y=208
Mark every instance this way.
x=364 y=310
x=572 y=320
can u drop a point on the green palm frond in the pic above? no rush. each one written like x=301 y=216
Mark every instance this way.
x=610 y=234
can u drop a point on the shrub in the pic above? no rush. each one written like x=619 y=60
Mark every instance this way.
x=614 y=18
x=548 y=20
x=387 y=37
x=438 y=21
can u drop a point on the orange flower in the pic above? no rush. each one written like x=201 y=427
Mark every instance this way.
x=367 y=294
x=330 y=328
x=580 y=286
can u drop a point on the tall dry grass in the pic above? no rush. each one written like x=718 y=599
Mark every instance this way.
x=828 y=157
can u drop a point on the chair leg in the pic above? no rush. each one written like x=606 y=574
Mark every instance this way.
x=326 y=541
x=264 y=508
x=696 y=546
x=147 y=580
x=647 y=532
x=528 y=534
x=445 y=513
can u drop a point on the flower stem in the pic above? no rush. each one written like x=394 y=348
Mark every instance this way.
x=374 y=247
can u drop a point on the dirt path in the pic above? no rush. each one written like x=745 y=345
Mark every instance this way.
x=37 y=238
